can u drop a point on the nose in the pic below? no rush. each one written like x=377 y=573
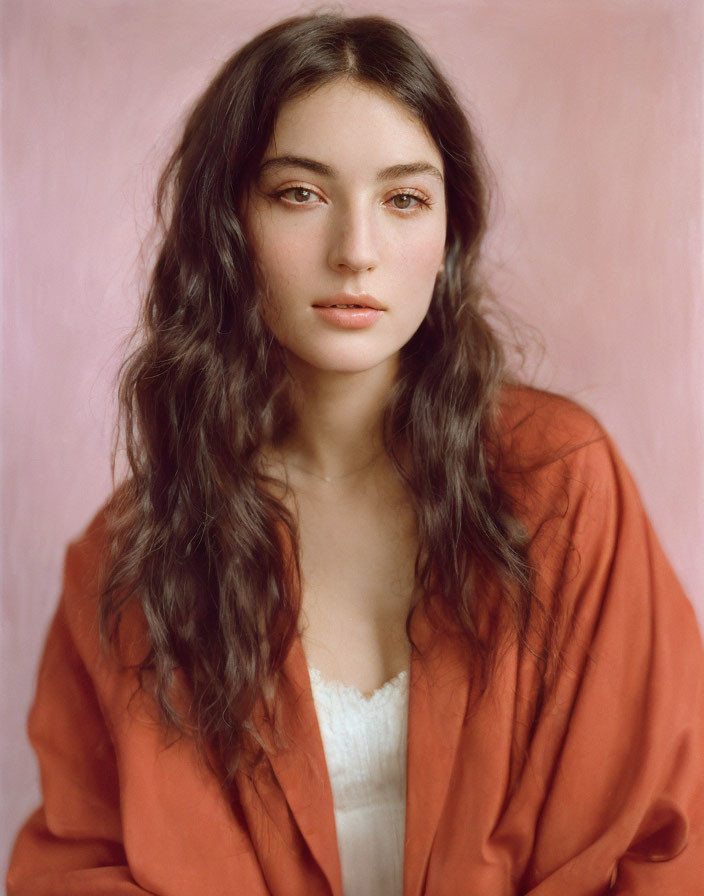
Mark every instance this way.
x=354 y=243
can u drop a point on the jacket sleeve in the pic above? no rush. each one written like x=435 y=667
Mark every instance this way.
x=625 y=800
x=72 y=846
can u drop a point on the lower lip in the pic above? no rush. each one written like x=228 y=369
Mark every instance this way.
x=349 y=318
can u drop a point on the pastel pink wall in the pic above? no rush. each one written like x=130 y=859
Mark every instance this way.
x=591 y=115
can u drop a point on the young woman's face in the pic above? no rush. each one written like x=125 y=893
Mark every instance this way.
x=348 y=209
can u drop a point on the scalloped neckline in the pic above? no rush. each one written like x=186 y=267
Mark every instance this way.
x=317 y=679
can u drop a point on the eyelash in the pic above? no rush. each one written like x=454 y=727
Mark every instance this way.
x=421 y=201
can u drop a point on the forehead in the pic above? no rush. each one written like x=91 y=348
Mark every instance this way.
x=351 y=124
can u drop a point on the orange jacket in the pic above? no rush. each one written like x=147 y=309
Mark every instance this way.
x=598 y=787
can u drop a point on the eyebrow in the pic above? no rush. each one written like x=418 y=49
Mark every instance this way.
x=393 y=171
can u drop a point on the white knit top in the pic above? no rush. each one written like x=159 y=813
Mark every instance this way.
x=365 y=749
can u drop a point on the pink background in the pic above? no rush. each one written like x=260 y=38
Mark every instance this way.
x=591 y=115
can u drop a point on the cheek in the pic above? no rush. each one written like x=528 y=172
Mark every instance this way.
x=274 y=249
x=420 y=264
x=276 y=266
x=283 y=277
x=422 y=255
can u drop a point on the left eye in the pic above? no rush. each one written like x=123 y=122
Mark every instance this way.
x=406 y=201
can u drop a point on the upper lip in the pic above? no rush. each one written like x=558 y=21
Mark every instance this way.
x=346 y=298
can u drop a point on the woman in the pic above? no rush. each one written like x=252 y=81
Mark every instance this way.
x=373 y=618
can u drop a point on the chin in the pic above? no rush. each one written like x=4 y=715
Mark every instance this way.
x=342 y=362
x=352 y=366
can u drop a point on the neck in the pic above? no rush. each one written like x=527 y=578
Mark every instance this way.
x=339 y=419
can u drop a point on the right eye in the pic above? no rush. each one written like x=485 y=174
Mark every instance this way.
x=296 y=195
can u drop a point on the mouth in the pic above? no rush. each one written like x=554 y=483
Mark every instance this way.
x=340 y=306
x=346 y=312
x=347 y=301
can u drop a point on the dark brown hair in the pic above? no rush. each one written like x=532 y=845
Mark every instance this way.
x=195 y=535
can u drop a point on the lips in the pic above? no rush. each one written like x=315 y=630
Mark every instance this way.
x=348 y=300
x=348 y=312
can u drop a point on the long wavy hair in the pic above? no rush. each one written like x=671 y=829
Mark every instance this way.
x=195 y=533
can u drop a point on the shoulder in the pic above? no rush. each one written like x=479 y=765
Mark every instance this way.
x=553 y=455
x=87 y=559
x=86 y=554
x=590 y=539
x=536 y=427
x=572 y=491
x=84 y=564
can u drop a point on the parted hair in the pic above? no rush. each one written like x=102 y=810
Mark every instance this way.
x=195 y=533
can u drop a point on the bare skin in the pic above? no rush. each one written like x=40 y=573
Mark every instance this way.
x=357 y=534
x=358 y=546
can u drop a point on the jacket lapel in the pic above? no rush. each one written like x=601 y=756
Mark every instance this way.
x=288 y=799
x=439 y=692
